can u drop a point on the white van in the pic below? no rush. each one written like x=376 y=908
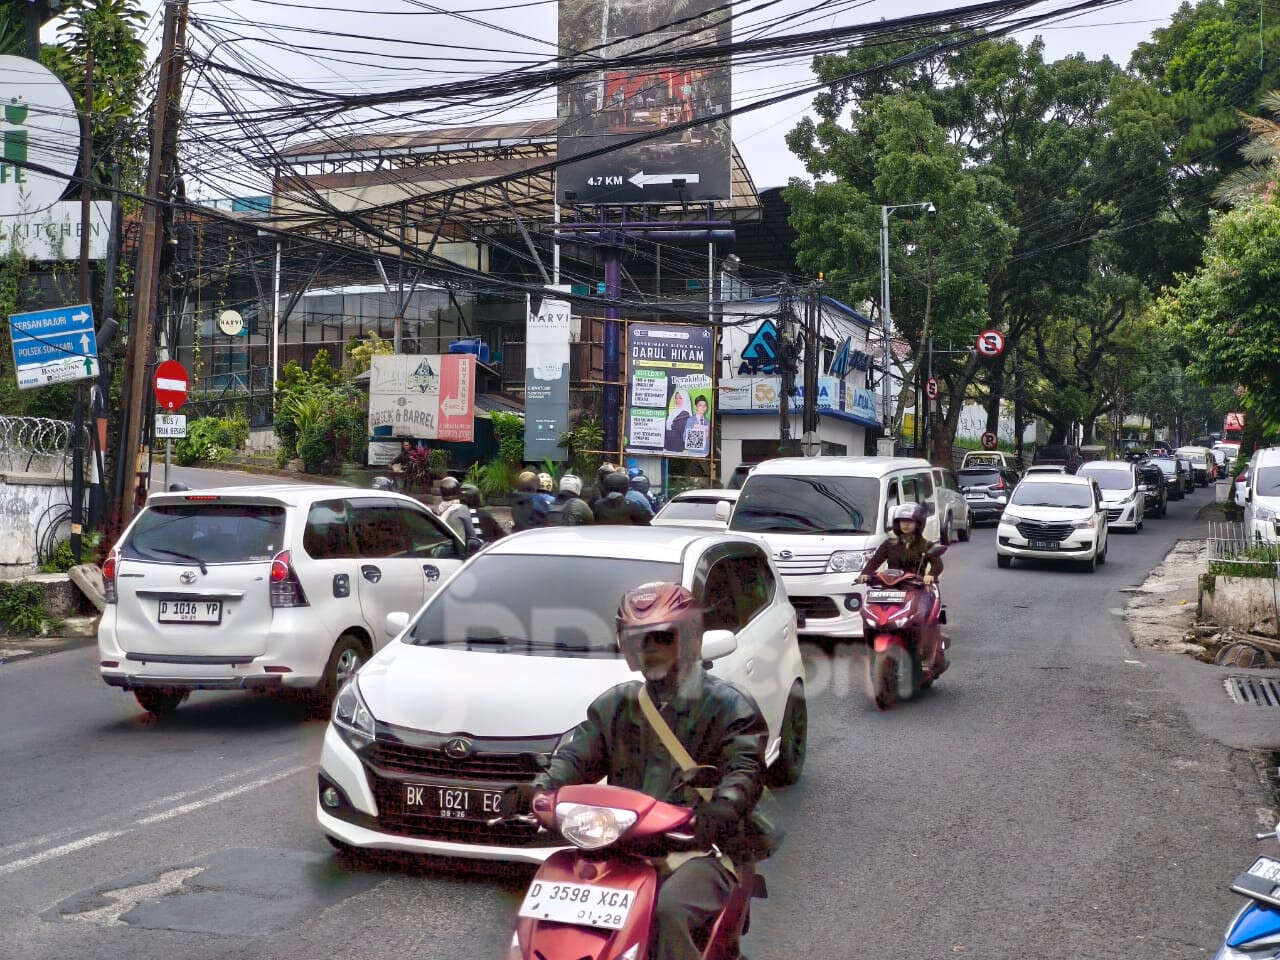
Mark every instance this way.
x=822 y=518
x=1262 y=502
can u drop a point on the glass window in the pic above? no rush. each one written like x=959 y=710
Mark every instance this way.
x=807 y=504
x=1267 y=482
x=327 y=535
x=207 y=532
x=755 y=583
x=426 y=536
x=1110 y=478
x=980 y=478
x=549 y=606
x=720 y=598
x=379 y=530
x=1076 y=495
x=691 y=508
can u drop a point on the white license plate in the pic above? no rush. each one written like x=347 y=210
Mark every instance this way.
x=886 y=596
x=974 y=496
x=1044 y=544
x=190 y=611
x=578 y=903
x=1267 y=869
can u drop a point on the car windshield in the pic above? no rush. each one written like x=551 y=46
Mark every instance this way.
x=807 y=505
x=979 y=478
x=691 y=508
x=535 y=605
x=1266 y=483
x=1110 y=478
x=1075 y=495
x=207 y=533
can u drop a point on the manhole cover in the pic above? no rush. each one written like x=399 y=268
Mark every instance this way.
x=1253 y=691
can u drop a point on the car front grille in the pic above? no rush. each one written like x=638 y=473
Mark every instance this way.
x=403 y=758
x=816 y=608
x=797 y=563
x=1113 y=513
x=1040 y=530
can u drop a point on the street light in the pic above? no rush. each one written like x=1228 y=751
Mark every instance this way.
x=885 y=321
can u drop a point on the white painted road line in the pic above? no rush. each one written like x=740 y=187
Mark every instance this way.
x=53 y=853
x=219 y=797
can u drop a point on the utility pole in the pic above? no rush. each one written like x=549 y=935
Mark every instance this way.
x=164 y=123
x=86 y=224
x=786 y=354
x=810 y=416
x=886 y=325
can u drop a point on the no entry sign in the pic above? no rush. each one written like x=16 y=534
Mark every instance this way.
x=931 y=388
x=171 y=385
x=989 y=441
x=991 y=343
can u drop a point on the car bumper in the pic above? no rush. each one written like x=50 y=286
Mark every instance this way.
x=355 y=821
x=824 y=601
x=1079 y=546
x=981 y=510
x=294 y=658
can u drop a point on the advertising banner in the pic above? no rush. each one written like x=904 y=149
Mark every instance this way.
x=603 y=108
x=423 y=396
x=670 y=403
x=761 y=393
x=546 y=381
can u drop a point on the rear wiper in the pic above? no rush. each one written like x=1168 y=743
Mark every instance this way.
x=180 y=556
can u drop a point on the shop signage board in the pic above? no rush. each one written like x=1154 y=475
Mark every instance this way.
x=670 y=406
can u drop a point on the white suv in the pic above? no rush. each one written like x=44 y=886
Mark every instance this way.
x=263 y=587
x=1262 y=502
x=1054 y=517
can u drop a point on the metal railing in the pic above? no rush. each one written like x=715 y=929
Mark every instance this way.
x=1231 y=552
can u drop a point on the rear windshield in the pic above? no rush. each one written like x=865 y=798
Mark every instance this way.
x=207 y=533
x=979 y=478
x=1110 y=478
x=549 y=606
x=691 y=509
x=1169 y=466
x=807 y=505
x=1052 y=495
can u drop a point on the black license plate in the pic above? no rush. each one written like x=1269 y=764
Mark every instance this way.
x=450 y=801
x=1044 y=544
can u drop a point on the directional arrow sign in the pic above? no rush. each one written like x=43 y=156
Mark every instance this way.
x=54 y=346
x=643 y=179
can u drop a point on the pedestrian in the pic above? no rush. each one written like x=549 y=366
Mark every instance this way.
x=615 y=508
x=528 y=510
x=482 y=519
x=570 y=509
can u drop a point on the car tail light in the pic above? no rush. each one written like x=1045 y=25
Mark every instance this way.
x=286 y=590
x=202 y=498
x=999 y=484
x=109 y=578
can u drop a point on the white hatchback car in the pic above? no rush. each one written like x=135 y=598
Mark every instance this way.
x=263 y=587
x=698 y=508
x=503 y=662
x=1122 y=492
x=1054 y=517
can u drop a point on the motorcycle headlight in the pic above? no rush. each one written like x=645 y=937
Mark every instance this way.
x=1087 y=523
x=845 y=561
x=352 y=717
x=591 y=827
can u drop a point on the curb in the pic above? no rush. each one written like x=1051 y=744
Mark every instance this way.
x=15 y=649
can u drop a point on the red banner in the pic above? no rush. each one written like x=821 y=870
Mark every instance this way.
x=456 y=421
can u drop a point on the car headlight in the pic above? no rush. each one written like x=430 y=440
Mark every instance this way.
x=1130 y=498
x=1009 y=517
x=591 y=827
x=352 y=717
x=1086 y=524
x=846 y=561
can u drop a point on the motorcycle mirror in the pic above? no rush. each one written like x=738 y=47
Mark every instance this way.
x=937 y=550
x=717 y=644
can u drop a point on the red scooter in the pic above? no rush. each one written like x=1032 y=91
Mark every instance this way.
x=902 y=620
x=597 y=902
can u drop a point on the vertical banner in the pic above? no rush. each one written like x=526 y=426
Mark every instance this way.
x=423 y=396
x=670 y=403
x=546 y=381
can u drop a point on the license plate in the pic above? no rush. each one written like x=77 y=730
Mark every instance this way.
x=578 y=903
x=190 y=611
x=974 y=496
x=1044 y=544
x=886 y=596
x=1266 y=868
x=1261 y=881
x=451 y=802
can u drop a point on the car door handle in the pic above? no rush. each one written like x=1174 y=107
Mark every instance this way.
x=370 y=573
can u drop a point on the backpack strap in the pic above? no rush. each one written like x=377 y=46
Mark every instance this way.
x=669 y=740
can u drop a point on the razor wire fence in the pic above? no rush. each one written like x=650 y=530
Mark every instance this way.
x=36 y=445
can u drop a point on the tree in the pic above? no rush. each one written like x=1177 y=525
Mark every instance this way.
x=360 y=353
x=1262 y=150
x=1229 y=311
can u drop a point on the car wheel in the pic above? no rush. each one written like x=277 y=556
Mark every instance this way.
x=947 y=535
x=159 y=702
x=964 y=532
x=1091 y=564
x=1102 y=557
x=347 y=657
x=1003 y=562
x=794 y=740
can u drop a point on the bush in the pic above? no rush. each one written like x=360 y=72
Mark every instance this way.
x=587 y=435
x=497 y=478
x=438 y=463
x=317 y=421
x=211 y=439
x=22 y=607
x=508 y=428
x=61 y=560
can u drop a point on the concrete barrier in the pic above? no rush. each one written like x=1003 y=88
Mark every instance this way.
x=29 y=504
x=1239 y=602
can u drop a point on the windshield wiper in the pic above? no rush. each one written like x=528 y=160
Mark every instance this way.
x=501 y=641
x=180 y=556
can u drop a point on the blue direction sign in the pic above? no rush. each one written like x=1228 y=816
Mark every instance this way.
x=54 y=346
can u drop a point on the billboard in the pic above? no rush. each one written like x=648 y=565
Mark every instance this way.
x=423 y=396
x=606 y=107
x=670 y=401
x=546 y=381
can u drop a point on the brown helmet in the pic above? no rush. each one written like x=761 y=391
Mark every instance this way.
x=660 y=607
x=527 y=482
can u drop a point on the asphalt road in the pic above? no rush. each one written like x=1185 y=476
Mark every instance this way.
x=1048 y=799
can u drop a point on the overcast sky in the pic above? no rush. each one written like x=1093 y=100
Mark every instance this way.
x=403 y=31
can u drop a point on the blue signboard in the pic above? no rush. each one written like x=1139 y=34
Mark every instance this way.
x=54 y=346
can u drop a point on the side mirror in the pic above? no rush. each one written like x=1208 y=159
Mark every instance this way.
x=937 y=550
x=396 y=621
x=717 y=644
x=930 y=509
x=473 y=546
x=723 y=509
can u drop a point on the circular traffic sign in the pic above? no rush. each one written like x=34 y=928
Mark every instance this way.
x=991 y=343
x=171 y=385
x=230 y=323
x=989 y=441
x=931 y=388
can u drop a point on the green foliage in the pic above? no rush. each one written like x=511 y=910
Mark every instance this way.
x=61 y=560
x=438 y=463
x=22 y=607
x=318 y=420
x=211 y=439
x=360 y=353
x=587 y=435
x=508 y=428
x=496 y=479
x=1259 y=561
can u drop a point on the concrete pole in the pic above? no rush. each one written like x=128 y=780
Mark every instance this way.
x=275 y=327
x=886 y=325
